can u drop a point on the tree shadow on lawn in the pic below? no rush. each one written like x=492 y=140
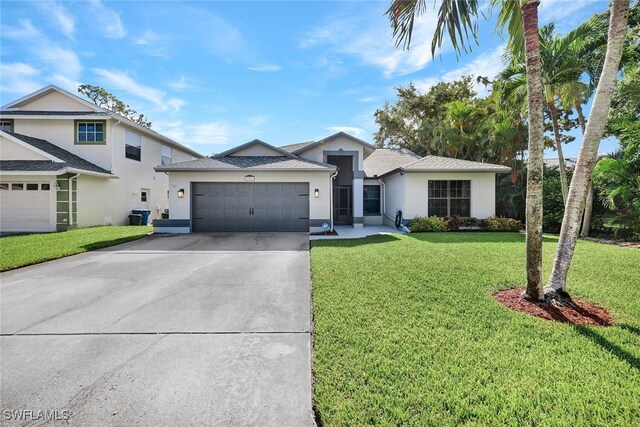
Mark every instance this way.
x=612 y=348
x=113 y=242
x=352 y=243
x=475 y=237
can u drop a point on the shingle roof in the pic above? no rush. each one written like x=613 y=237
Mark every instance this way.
x=554 y=163
x=384 y=160
x=447 y=164
x=30 y=166
x=70 y=160
x=295 y=147
x=243 y=163
x=52 y=113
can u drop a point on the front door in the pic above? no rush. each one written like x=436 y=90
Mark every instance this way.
x=342 y=205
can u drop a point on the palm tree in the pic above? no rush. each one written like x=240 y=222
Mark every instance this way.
x=556 y=286
x=459 y=20
x=561 y=67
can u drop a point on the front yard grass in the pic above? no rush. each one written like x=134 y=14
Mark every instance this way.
x=20 y=251
x=407 y=333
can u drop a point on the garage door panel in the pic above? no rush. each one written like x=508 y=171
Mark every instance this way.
x=251 y=207
x=26 y=210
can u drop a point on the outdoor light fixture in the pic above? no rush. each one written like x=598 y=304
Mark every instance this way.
x=181 y=193
x=316 y=193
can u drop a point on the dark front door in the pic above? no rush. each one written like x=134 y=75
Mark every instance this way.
x=230 y=206
x=342 y=205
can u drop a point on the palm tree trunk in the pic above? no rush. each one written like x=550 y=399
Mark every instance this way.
x=589 y=151
x=588 y=209
x=535 y=162
x=562 y=167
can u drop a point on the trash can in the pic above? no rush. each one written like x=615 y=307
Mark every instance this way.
x=145 y=215
x=135 y=219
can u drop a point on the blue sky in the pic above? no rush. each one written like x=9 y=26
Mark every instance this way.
x=213 y=75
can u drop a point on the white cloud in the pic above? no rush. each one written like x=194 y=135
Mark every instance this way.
x=351 y=130
x=181 y=84
x=108 y=20
x=120 y=80
x=367 y=99
x=368 y=36
x=62 y=65
x=146 y=38
x=558 y=10
x=214 y=133
x=488 y=65
x=266 y=68
x=18 y=77
x=63 y=19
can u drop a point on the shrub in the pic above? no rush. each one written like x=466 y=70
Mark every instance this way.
x=470 y=222
x=453 y=223
x=421 y=224
x=495 y=223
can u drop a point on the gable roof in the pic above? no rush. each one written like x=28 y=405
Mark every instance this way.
x=295 y=147
x=384 y=160
x=431 y=163
x=61 y=159
x=246 y=163
x=12 y=110
x=277 y=150
x=304 y=146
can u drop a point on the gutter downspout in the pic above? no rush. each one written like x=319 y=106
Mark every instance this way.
x=331 y=178
x=70 y=191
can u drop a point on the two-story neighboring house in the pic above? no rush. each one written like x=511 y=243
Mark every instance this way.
x=65 y=162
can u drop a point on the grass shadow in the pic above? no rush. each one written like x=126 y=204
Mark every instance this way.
x=475 y=237
x=634 y=330
x=351 y=243
x=113 y=242
x=612 y=348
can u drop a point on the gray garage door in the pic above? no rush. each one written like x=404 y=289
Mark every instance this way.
x=230 y=206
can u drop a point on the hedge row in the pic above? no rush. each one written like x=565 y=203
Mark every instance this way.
x=434 y=223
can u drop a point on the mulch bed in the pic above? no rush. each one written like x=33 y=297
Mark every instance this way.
x=581 y=313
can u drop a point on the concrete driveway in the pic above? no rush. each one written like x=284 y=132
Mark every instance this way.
x=199 y=329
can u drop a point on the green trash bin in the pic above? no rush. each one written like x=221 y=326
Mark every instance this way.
x=145 y=215
x=135 y=219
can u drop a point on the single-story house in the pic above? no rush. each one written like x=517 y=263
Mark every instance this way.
x=66 y=162
x=311 y=186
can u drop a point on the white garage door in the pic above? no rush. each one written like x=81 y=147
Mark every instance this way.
x=25 y=207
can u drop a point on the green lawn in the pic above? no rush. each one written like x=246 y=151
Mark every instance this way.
x=19 y=251
x=407 y=333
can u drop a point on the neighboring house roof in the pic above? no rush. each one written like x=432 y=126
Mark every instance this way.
x=276 y=150
x=554 y=163
x=304 y=146
x=446 y=164
x=245 y=163
x=295 y=147
x=12 y=110
x=384 y=160
x=61 y=158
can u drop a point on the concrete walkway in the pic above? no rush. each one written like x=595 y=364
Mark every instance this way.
x=200 y=329
x=349 y=232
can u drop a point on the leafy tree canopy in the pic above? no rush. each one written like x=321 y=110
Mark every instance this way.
x=104 y=99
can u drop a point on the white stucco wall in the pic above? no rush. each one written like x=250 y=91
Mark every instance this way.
x=340 y=143
x=318 y=208
x=394 y=198
x=257 y=150
x=483 y=192
x=10 y=150
x=55 y=101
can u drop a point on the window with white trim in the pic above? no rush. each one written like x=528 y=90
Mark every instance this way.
x=449 y=198
x=165 y=155
x=132 y=145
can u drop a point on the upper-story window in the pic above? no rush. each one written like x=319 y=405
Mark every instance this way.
x=165 y=155
x=90 y=132
x=6 y=125
x=132 y=145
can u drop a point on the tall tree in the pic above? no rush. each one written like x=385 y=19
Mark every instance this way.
x=556 y=286
x=459 y=20
x=104 y=99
